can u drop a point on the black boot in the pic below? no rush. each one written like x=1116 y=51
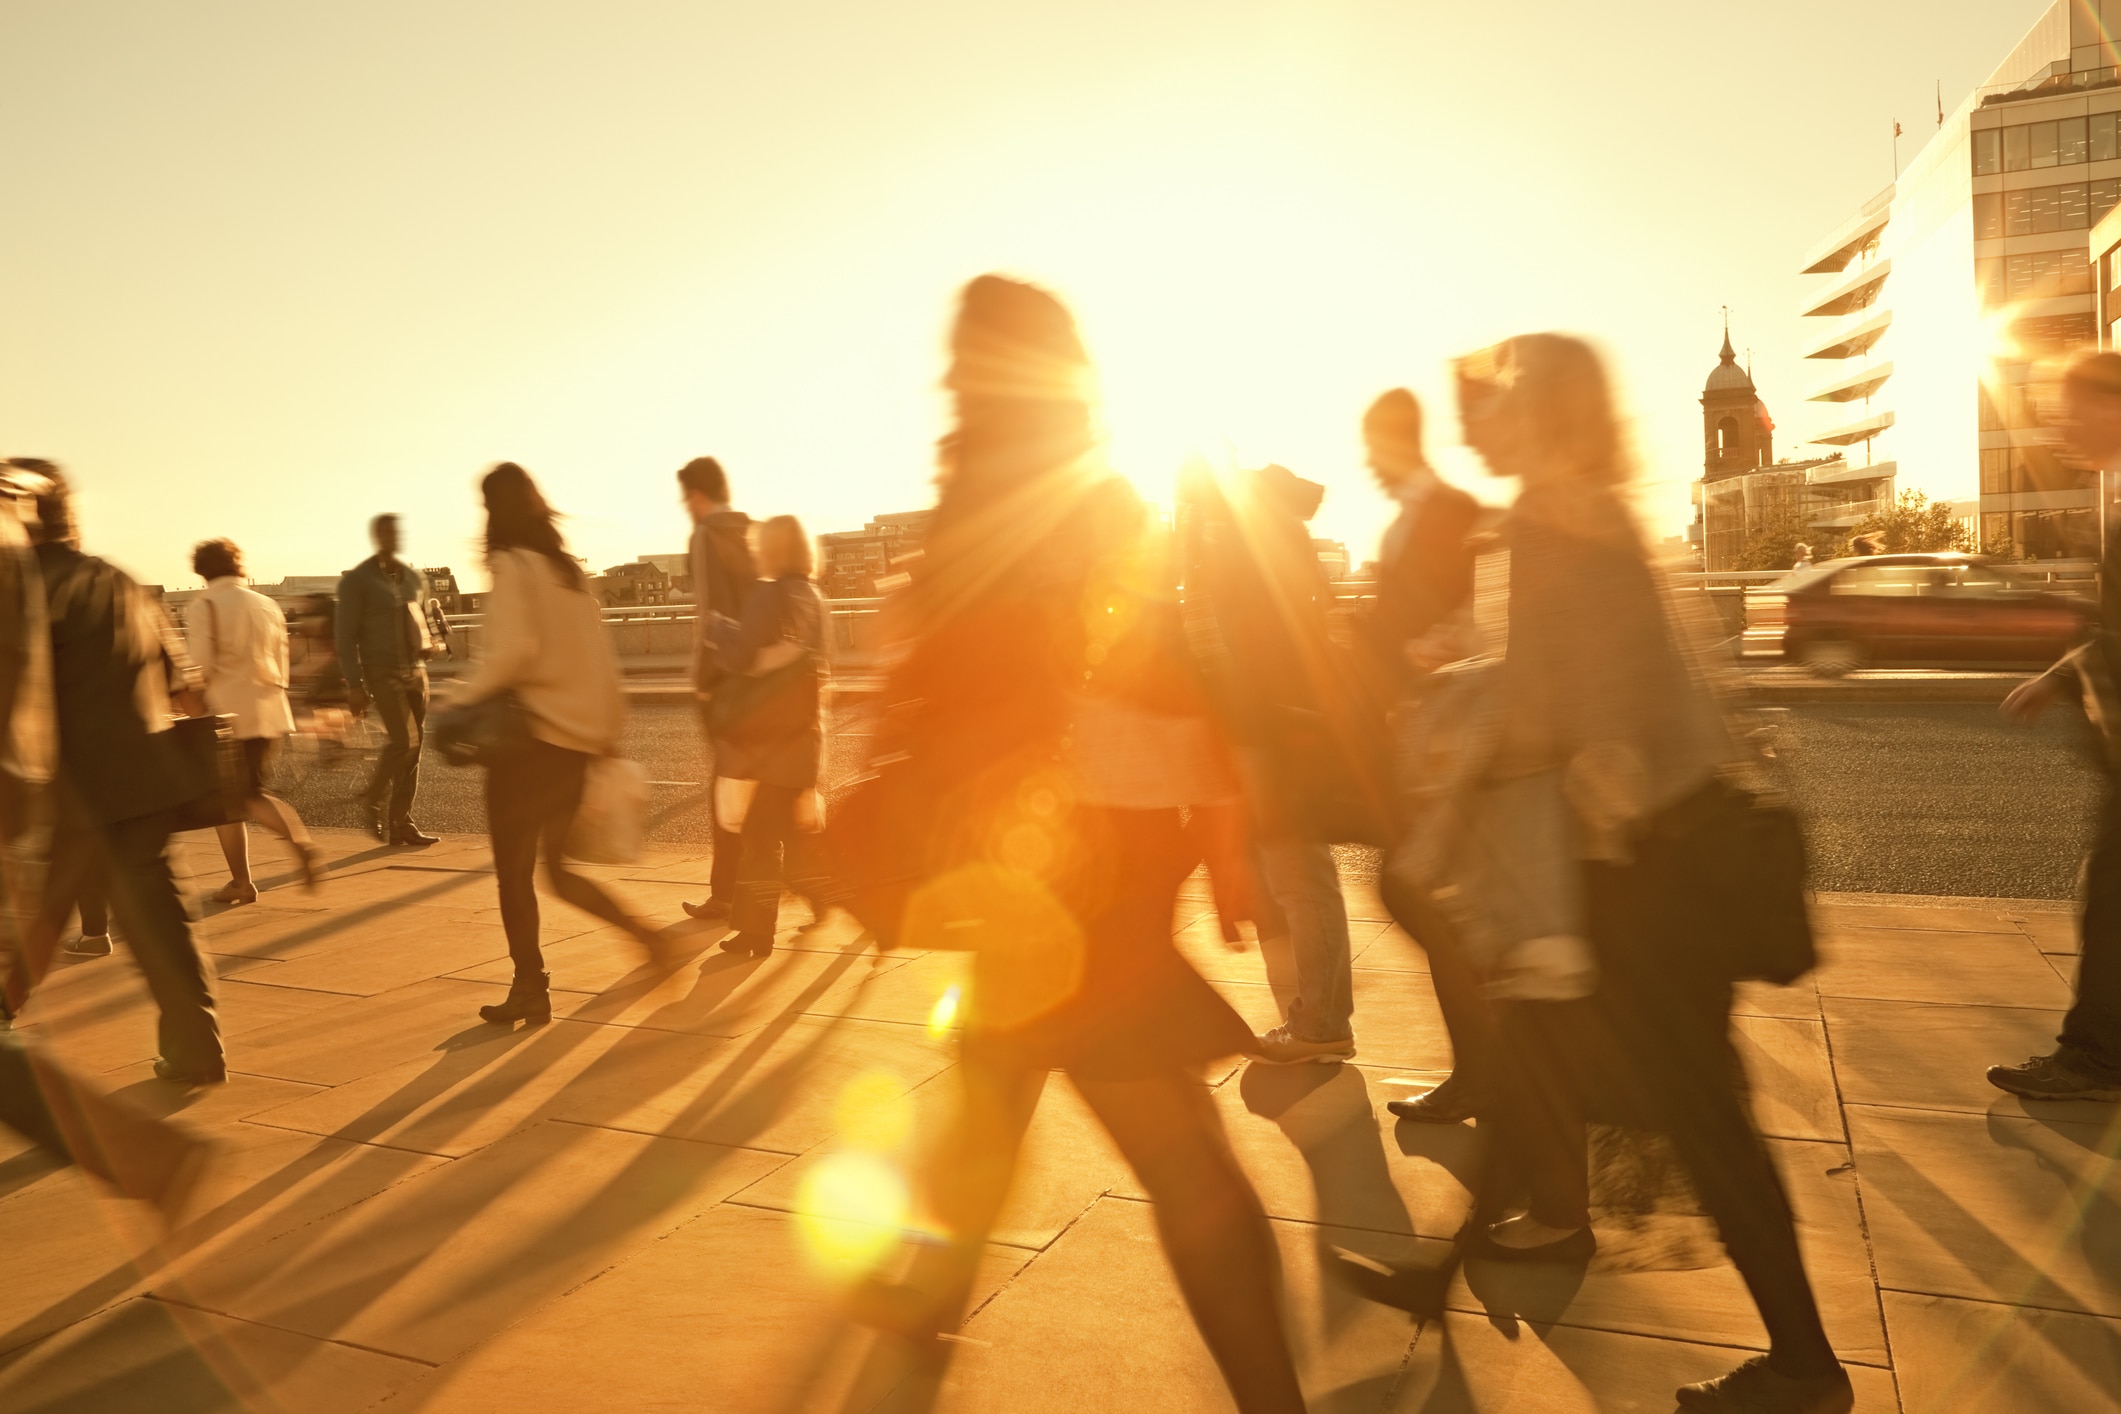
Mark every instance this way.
x=529 y=999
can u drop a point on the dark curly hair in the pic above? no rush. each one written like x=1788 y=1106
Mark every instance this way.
x=214 y=559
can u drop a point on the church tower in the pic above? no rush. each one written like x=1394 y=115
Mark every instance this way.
x=1737 y=436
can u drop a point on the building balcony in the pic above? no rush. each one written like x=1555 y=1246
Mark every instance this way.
x=1855 y=339
x=1844 y=474
x=1846 y=240
x=1854 y=293
x=1851 y=386
x=1861 y=431
x=1845 y=515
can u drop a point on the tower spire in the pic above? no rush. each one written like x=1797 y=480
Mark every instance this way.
x=1729 y=355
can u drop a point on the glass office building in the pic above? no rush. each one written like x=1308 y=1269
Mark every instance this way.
x=1946 y=298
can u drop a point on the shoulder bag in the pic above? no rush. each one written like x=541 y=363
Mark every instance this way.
x=211 y=760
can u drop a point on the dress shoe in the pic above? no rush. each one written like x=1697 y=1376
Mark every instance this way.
x=529 y=999
x=1453 y=1102
x=310 y=859
x=1758 y=1388
x=372 y=816
x=178 y=1075
x=714 y=910
x=410 y=837
x=757 y=944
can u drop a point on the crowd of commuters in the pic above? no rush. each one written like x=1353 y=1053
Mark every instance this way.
x=1085 y=702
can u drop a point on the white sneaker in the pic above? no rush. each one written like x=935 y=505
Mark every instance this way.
x=1281 y=1047
x=89 y=945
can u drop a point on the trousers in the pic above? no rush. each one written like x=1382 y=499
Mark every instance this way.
x=1306 y=885
x=400 y=705
x=2091 y=1032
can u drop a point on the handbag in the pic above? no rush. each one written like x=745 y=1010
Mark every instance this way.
x=482 y=732
x=611 y=823
x=1738 y=857
x=211 y=760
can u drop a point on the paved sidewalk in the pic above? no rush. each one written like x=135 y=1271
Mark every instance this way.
x=417 y=1211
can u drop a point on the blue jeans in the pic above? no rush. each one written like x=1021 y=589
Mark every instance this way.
x=1302 y=877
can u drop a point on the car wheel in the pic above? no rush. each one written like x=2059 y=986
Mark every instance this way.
x=1830 y=657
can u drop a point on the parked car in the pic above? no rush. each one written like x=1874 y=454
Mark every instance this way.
x=1932 y=610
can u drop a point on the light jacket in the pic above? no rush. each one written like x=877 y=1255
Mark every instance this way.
x=545 y=640
x=238 y=639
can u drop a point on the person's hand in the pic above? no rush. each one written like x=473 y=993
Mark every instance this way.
x=357 y=701
x=190 y=701
x=2029 y=699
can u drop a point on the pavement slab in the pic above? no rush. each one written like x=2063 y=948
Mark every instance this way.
x=1915 y=1055
x=430 y=1267
x=1972 y=1357
x=147 y=1354
x=1920 y=965
x=1997 y=1207
x=1791 y=1077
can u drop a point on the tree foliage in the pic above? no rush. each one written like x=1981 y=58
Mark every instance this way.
x=1774 y=545
x=1913 y=524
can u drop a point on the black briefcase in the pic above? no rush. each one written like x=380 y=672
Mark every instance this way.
x=210 y=760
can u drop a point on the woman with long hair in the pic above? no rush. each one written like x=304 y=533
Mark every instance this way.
x=544 y=641
x=238 y=639
x=1600 y=693
x=772 y=745
x=1045 y=696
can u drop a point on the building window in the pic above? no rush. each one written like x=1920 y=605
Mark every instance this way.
x=1988 y=281
x=1988 y=216
x=1988 y=150
x=2042 y=138
x=2062 y=143
x=1726 y=438
x=2034 y=211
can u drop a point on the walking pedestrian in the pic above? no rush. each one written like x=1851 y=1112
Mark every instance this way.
x=140 y=1155
x=545 y=646
x=238 y=639
x=1424 y=580
x=722 y=577
x=115 y=663
x=383 y=651
x=1596 y=688
x=772 y=739
x=1056 y=745
x=2086 y=1061
x=1256 y=604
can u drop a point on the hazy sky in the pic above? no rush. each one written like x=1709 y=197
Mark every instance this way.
x=266 y=269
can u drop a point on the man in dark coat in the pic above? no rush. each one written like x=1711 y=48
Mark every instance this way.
x=114 y=663
x=2086 y=1061
x=722 y=576
x=383 y=651
x=1424 y=580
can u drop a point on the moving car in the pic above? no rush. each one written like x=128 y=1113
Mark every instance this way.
x=1930 y=610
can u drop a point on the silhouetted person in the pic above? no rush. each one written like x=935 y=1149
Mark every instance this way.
x=1256 y=605
x=383 y=652
x=2086 y=1061
x=1867 y=545
x=722 y=576
x=543 y=640
x=238 y=639
x=115 y=662
x=1050 y=741
x=1595 y=687
x=140 y=1155
x=772 y=752
x=1424 y=581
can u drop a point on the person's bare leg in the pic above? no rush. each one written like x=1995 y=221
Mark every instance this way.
x=235 y=848
x=278 y=816
x=1213 y=1227
x=964 y=1180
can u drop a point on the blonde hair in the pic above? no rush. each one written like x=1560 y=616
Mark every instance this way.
x=1554 y=386
x=784 y=548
